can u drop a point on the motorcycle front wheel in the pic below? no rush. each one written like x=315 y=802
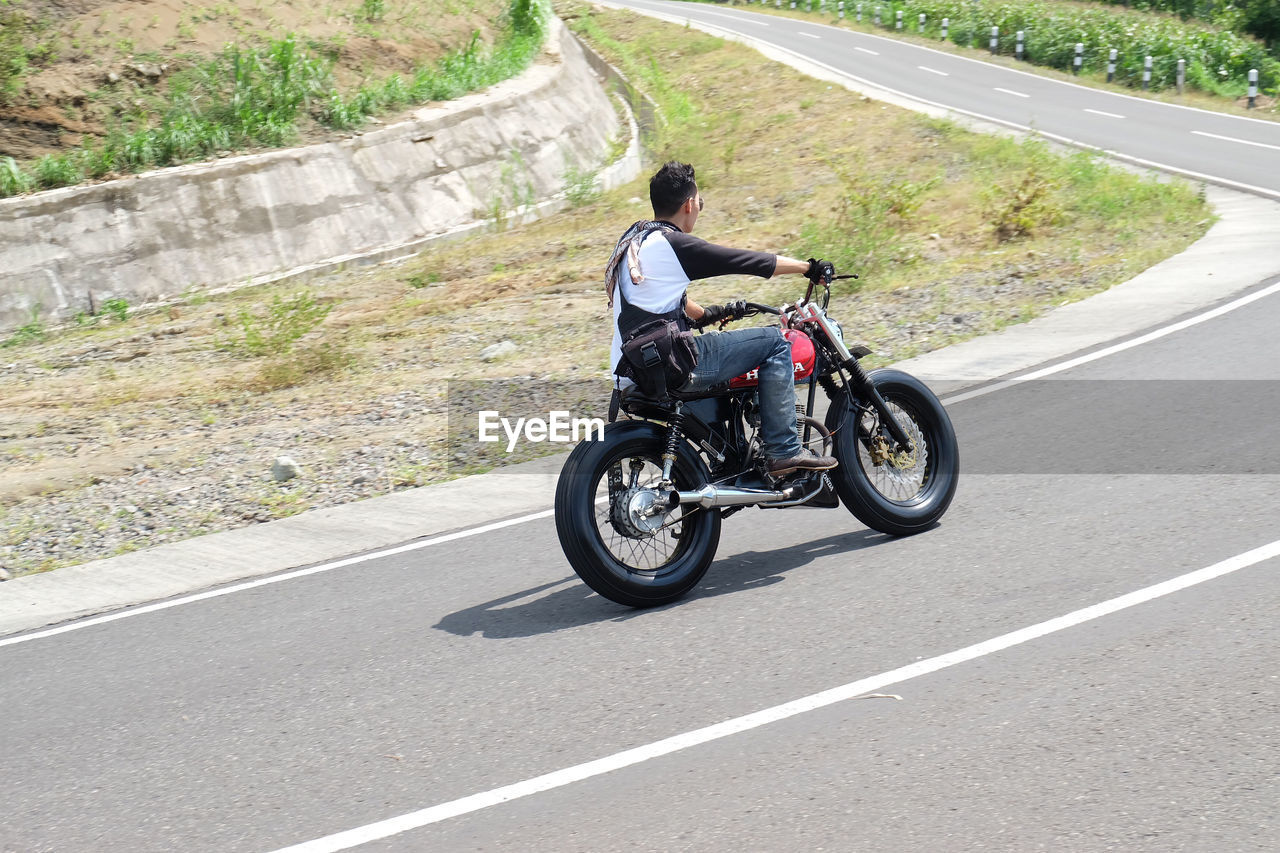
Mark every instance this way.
x=895 y=493
x=618 y=550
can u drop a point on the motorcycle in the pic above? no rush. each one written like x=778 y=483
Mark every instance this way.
x=638 y=512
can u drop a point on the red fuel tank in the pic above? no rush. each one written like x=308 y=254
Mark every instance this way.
x=801 y=361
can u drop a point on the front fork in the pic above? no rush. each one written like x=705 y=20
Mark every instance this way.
x=860 y=380
x=862 y=384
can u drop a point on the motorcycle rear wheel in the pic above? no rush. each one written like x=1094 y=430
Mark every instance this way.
x=648 y=565
x=900 y=496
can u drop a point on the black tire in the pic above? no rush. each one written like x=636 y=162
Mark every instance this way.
x=634 y=570
x=897 y=500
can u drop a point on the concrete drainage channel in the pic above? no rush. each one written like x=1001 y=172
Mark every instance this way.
x=290 y=214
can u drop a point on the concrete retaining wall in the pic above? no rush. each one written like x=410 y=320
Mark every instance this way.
x=257 y=217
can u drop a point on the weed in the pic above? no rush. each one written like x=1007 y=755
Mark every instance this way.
x=580 y=186
x=13 y=180
x=417 y=281
x=57 y=170
x=371 y=10
x=1023 y=208
x=868 y=230
x=323 y=358
x=117 y=308
x=278 y=328
x=15 y=58
x=28 y=333
x=285 y=504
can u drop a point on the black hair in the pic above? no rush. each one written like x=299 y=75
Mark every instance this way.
x=670 y=187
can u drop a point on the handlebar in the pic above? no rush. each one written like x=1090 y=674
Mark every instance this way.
x=754 y=308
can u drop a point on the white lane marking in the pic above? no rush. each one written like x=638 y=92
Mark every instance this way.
x=933 y=71
x=1233 y=139
x=1011 y=92
x=867 y=50
x=735 y=18
x=559 y=778
x=1101 y=113
x=1115 y=348
x=810 y=35
x=297 y=573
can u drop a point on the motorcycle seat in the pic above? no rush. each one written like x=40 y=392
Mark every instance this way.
x=633 y=397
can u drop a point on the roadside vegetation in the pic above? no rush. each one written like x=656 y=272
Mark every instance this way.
x=181 y=410
x=1219 y=49
x=256 y=92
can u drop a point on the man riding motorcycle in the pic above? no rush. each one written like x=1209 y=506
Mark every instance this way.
x=651 y=269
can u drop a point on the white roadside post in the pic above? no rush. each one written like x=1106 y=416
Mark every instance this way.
x=946 y=24
x=1146 y=74
x=1018 y=51
x=1253 y=87
x=1111 y=66
x=1079 y=60
x=1182 y=74
x=995 y=40
x=920 y=29
x=897 y=24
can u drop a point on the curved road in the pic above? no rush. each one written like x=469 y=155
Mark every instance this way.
x=1233 y=151
x=1081 y=657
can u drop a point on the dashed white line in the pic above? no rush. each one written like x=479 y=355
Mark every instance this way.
x=933 y=71
x=1011 y=92
x=559 y=778
x=810 y=35
x=868 y=50
x=1233 y=139
x=1101 y=113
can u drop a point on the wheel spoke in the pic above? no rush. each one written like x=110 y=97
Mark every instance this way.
x=899 y=482
x=637 y=548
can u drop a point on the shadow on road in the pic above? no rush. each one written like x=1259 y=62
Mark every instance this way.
x=569 y=603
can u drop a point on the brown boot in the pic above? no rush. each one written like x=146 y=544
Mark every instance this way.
x=805 y=460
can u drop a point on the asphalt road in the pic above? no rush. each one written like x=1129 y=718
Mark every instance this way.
x=1229 y=150
x=286 y=713
x=325 y=703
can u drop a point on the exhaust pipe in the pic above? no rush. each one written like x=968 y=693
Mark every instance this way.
x=711 y=497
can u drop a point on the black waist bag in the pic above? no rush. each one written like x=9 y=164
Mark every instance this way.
x=657 y=356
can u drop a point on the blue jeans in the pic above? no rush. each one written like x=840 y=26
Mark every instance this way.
x=724 y=355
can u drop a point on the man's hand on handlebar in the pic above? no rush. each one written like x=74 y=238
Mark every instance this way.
x=820 y=271
x=721 y=313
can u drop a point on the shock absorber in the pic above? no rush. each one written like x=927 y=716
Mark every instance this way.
x=675 y=434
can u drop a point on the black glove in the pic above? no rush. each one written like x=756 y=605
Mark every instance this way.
x=820 y=271
x=722 y=313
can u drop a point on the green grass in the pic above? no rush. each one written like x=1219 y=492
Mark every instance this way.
x=251 y=96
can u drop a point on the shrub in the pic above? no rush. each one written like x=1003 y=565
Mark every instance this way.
x=13 y=180
x=867 y=231
x=29 y=332
x=1021 y=209
x=117 y=308
x=275 y=331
